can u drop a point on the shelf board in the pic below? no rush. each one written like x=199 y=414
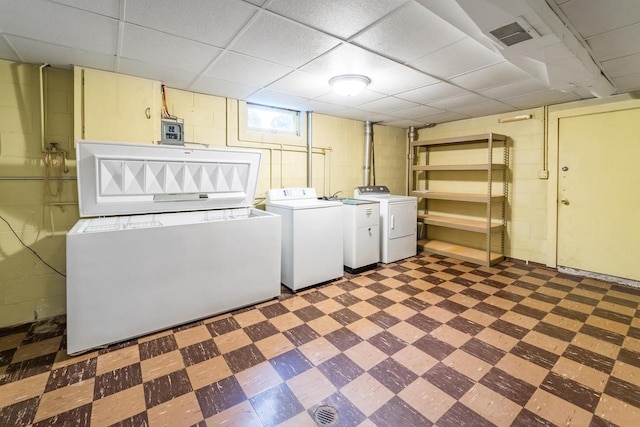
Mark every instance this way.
x=464 y=253
x=460 y=197
x=474 y=167
x=461 y=140
x=459 y=223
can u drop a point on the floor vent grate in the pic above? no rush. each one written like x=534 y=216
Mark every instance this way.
x=326 y=416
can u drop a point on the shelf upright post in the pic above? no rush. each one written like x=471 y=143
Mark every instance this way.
x=489 y=188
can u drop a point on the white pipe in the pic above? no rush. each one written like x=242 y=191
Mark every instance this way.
x=42 y=118
x=309 y=151
x=368 y=137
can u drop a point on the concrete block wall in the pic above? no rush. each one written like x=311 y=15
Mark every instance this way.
x=28 y=288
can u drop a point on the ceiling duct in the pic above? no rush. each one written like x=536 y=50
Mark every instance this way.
x=530 y=35
x=514 y=32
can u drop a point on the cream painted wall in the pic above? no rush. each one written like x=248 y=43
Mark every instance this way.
x=29 y=289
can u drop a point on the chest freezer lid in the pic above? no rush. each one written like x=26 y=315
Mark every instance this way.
x=122 y=178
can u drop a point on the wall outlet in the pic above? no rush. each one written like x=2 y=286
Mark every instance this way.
x=543 y=174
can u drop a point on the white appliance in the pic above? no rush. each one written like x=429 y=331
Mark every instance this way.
x=311 y=236
x=128 y=274
x=361 y=219
x=398 y=219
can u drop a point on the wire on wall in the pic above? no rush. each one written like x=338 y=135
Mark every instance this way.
x=165 y=109
x=32 y=251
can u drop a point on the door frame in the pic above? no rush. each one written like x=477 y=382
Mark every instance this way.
x=555 y=115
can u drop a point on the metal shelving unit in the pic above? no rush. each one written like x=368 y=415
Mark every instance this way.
x=489 y=226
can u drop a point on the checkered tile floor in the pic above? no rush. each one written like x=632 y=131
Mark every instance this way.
x=427 y=340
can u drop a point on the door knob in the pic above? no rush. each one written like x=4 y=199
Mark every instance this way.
x=565 y=168
x=564 y=201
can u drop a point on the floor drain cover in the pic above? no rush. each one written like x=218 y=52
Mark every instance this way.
x=326 y=416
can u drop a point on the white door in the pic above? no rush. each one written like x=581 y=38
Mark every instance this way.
x=402 y=219
x=599 y=193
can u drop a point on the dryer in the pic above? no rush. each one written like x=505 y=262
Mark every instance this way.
x=398 y=222
x=311 y=236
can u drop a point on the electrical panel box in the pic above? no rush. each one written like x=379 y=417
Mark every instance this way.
x=172 y=132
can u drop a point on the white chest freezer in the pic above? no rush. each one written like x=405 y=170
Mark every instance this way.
x=174 y=239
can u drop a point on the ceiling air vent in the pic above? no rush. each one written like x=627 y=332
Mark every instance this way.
x=511 y=34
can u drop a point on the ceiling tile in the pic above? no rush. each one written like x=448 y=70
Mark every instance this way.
x=388 y=105
x=417 y=112
x=300 y=83
x=166 y=50
x=58 y=24
x=548 y=97
x=338 y=17
x=582 y=92
x=458 y=58
x=628 y=83
x=409 y=33
x=458 y=101
x=178 y=79
x=447 y=116
x=482 y=109
x=616 y=44
x=281 y=41
x=210 y=85
x=353 y=114
x=103 y=7
x=350 y=101
x=238 y=68
x=367 y=115
x=347 y=59
x=509 y=90
x=432 y=92
x=591 y=17
x=192 y=19
x=322 y=107
x=491 y=76
x=623 y=66
x=34 y=51
x=397 y=78
x=381 y=118
x=387 y=77
x=278 y=99
x=7 y=53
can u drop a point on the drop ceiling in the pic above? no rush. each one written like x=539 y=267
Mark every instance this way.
x=428 y=60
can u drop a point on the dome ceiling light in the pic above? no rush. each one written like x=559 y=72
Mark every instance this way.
x=349 y=84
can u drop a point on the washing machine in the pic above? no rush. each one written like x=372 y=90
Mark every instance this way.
x=398 y=219
x=312 y=250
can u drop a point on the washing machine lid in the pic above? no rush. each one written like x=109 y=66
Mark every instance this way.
x=121 y=178
x=305 y=204
x=297 y=198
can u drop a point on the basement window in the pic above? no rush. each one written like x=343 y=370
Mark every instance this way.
x=273 y=120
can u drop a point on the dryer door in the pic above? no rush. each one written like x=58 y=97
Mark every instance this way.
x=402 y=219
